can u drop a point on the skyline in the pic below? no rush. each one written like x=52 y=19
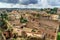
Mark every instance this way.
x=29 y=3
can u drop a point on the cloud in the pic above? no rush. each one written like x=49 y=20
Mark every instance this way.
x=10 y=1
x=5 y=5
x=26 y=2
x=29 y=3
x=33 y=1
x=54 y=2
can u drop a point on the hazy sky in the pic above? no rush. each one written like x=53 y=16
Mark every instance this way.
x=29 y=3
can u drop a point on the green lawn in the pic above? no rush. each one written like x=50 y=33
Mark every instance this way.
x=58 y=37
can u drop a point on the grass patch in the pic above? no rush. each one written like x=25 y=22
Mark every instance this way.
x=58 y=37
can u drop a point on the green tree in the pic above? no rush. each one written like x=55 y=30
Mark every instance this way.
x=4 y=15
x=53 y=11
x=41 y=9
x=23 y=20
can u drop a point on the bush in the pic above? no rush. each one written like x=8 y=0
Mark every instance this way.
x=22 y=20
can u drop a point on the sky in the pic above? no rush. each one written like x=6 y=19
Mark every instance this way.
x=29 y=3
